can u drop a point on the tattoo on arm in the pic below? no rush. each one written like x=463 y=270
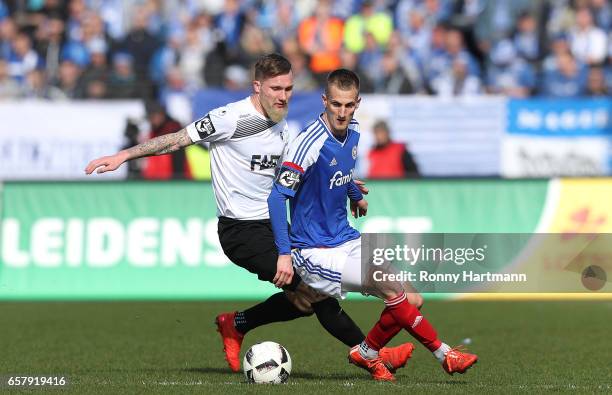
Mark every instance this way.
x=161 y=145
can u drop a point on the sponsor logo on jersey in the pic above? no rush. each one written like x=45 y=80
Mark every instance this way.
x=264 y=162
x=204 y=127
x=339 y=179
x=333 y=162
x=289 y=178
x=354 y=152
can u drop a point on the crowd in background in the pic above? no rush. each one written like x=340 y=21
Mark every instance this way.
x=115 y=49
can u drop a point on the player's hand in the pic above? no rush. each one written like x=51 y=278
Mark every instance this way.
x=359 y=209
x=361 y=185
x=106 y=163
x=284 y=271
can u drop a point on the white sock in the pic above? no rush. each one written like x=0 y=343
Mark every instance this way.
x=367 y=352
x=440 y=353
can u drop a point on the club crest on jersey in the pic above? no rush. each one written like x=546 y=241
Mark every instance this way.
x=204 y=127
x=289 y=179
x=339 y=179
x=354 y=152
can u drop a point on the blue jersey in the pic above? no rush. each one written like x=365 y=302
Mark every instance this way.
x=317 y=174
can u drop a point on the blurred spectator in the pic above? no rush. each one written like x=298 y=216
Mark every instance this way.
x=254 y=43
x=216 y=62
x=76 y=52
x=280 y=19
x=49 y=42
x=350 y=60
x=559 y=17
x=497 y=20
x=191 y=58
x=320 y=36
x=466 y=13
x=140 y=44
x=416 y=35
x=587 y=41
x=392 y=77
x=164 y=167
x=437 y=11
x=8 y=32
x=435 y=60
x=526 y=39
x=175 y=97
x=236 y=78
x=69 y=82
x=370 y=59
x=559 y=46
x=409 y=61
x=389 y=159
x=457 y=81
x=167 y=56
x=96 y=89
x=122 y=81
x=455 y=49
x=508 y=74
x=602 y=11
x=230 y=23
x=302 y=77
x=596 y=85
x=567 y=80
x=76 y=14
x=446 y=65
x=22 y=58
x=377 y=23
x=9 y=88
x=98 y=69
x=37 y=87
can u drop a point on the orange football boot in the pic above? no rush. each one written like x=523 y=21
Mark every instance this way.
x=457 y=361
x=232 y=339
x=375 y=366
x=396 y=357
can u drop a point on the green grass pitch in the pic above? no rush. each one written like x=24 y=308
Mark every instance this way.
x=165 y=348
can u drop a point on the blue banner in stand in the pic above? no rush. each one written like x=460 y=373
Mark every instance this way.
x=550 y=138
x=560 y=118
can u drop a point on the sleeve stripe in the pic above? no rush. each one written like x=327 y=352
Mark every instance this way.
x=294 y=166
x=323 y=134
x=308 y=136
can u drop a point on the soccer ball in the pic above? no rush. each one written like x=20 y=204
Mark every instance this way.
x=267 y=362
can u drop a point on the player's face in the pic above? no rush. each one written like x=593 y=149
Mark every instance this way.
x=274 y=94
x=340 y=106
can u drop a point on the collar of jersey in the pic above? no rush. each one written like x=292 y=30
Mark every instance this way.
x=348 y=131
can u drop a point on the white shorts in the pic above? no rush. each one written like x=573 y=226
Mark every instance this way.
x=332 y=271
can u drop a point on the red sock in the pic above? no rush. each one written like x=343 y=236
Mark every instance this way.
x=383 y=331
x=411 y=319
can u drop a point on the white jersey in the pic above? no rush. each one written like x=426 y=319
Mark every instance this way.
x=245 y=148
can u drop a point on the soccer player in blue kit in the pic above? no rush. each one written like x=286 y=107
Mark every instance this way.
x=317 y=176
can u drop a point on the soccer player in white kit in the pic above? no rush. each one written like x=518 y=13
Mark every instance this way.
x=316 y=175
x=247 y=138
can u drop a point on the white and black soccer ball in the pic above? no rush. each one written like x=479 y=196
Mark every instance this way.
x=267 y=362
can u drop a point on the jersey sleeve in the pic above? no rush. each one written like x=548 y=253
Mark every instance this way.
x=302 y=153
x=218 y=125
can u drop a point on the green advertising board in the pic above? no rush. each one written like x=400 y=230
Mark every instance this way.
x=158 y=240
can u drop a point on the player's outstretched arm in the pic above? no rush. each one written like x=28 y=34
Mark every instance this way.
x=157 y=146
